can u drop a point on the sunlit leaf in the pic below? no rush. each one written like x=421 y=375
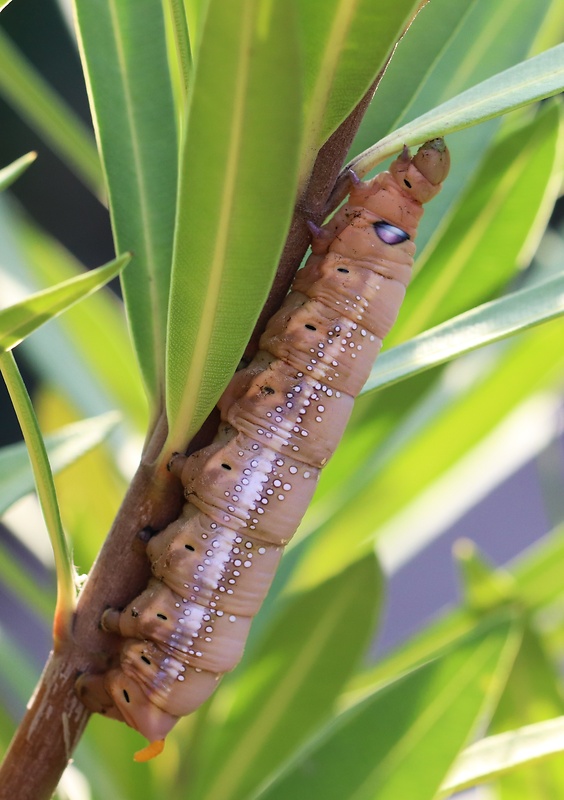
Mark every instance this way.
x=21 y=319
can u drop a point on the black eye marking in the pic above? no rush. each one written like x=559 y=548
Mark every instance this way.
x=189 y=547
x=127 y=700
x=145 y=659
x=162 y=616
x=407 y=183
x=389 y=234
x=342 y=269
x=310 y=327
x=226 y=466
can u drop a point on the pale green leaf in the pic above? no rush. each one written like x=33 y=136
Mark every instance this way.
x=496 y=755
x=346 y=43
x=532 y=694
x=480 y=326
x=533 y=80
x=63 y=448
x=291 y=682
x=538 y=575
x=29 y=93
x=87 y=352
x=125 y=61
x=21 y=319
x=13 y=171
x=494 y=231
x=237 y=191
x=451 y=46
x=442 y=428
x=400 y=742
x=66 y=589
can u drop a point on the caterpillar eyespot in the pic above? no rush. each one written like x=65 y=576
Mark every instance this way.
x=282 y=417
x=389 y=234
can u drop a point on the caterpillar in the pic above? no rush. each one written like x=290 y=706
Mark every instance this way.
x=281 y=419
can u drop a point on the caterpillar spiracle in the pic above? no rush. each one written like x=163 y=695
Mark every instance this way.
x=282 y=418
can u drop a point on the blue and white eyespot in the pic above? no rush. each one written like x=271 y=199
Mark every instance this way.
x=389 y=234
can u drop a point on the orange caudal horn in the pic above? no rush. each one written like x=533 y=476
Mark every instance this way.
x=151 y=751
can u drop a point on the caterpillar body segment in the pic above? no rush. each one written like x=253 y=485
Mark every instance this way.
x=281 y=419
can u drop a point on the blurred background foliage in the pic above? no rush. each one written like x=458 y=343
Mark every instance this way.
x=469 y=449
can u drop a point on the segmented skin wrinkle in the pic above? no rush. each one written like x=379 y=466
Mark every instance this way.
x=281 y=420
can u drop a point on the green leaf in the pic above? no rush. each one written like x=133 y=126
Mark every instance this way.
x=183 y=60
x=66 y=590
x=63 y=447
x=496 y=755
x=21 y=319
x=484 y=587
x=30 y=94
x=488 y=323
x=496 y=228
x=451 y=46
x=479 y=40
x=401 y=741
x=346 y=43
x=291 y=684
x=87 y=352
x=533 y=80
x=13 y=171
x=532 y=694
x=236 y=196
x=125 y=61
x=538 y=575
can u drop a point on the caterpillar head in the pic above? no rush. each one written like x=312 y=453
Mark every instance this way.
x=421 y=177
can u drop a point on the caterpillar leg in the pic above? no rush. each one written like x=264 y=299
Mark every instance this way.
x=176 y=463
x=91 y=689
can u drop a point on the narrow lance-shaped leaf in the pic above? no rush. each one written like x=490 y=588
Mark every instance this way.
x=30 y=94
x=538 y=575
x=495 y=229
x=346 y=43
x=13 y=171
x=536 y=79
x=496 y=755
x=532 y=694
x=488 y=39
x=21 y=319
x=63 y=447
x=125 y=60
x=292 y=682
x=488 y=323
x=47 y=496
x=236 y=195
x=401 y=741
x=87 y=352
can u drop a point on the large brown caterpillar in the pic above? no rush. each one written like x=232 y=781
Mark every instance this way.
x=282 y=418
